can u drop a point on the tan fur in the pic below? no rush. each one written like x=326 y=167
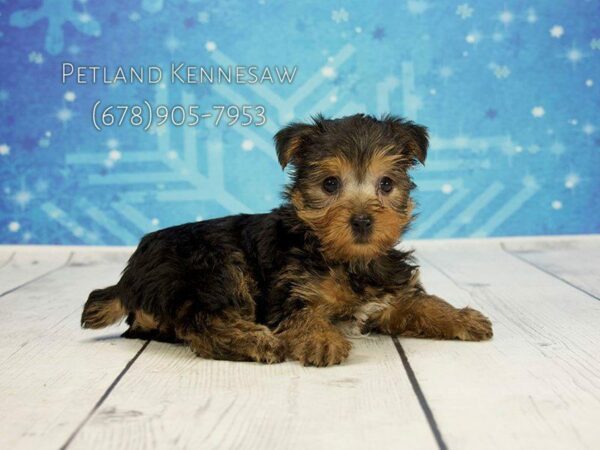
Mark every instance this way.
x=313 y=340
x=430 y=316
x=383 y=159
x=288 y=153
x=145 y=320
x=245 y=286
x=329 y=295
x=229 y=336
x=359 y=195
x=103 y=314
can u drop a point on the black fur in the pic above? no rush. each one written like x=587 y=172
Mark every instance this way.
x=246 y=262
x=177 y=264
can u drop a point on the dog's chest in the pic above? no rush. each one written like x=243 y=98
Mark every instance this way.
x=351 y=302
x=344 y=295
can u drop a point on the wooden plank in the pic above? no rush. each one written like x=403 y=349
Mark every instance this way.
x=52 y=372
x=576 y=261
x=169 y=398
x=27 y=265
x=536 y=385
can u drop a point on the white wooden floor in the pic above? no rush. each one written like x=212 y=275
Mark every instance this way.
x=536 y=385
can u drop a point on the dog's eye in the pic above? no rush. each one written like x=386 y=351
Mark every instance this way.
x=331 y=184
x=386 y=185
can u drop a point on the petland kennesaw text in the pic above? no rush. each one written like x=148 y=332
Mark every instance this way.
x=179 y=73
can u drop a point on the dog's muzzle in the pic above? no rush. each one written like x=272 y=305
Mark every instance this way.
x=362 y=226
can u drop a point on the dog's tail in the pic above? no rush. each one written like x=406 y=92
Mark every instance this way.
x=103 y=308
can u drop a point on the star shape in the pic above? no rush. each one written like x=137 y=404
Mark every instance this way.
x=378 y=34
x=464 y=11
x=557 y=31
x=189 y=23
x=491 y=113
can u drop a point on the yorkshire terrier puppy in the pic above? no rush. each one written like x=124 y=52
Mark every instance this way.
x=266 y=287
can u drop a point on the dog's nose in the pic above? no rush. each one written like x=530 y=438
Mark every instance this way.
x=361 y=223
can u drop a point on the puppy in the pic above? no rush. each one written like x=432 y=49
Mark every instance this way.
x=266 y=287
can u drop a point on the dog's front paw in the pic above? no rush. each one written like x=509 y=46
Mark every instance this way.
x=473 y=326
x=270 y=349
x=321 y=348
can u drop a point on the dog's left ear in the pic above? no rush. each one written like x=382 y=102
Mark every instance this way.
x=421 y=141
x=413 y=138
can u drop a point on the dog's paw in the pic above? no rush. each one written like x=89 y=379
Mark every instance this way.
x=270 y=349
x=322 y=349
x=473 y=326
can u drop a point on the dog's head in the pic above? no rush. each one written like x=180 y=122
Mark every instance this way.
x=350 y=181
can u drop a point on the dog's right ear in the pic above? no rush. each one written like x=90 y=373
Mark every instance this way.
x=289 y=140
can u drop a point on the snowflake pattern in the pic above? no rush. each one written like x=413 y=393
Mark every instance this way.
x=36 y=58
x=499 y=71
x=501 y=139
x=57 y=13
x=340 y=15
x=464 y=11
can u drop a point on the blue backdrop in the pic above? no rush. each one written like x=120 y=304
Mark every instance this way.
x=509 y=90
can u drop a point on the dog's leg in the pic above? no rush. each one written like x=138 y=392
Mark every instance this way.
x=143 y=326
x=312 y=339
x=229 y=336
x=423 y=315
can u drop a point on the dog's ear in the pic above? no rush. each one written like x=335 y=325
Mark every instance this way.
x=421 y=141
x=289 y=140
x=413 y=138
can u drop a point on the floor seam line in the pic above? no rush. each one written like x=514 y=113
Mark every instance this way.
x=7 y=262
x=547 y=272
x=39 y=277
x=104 y=396
x=433 y=425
